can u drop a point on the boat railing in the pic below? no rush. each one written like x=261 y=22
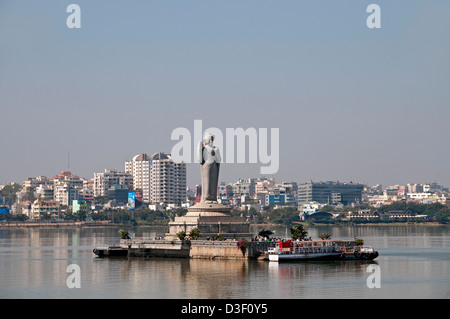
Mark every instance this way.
x=319 y=246
x=273 y=250
x=302 y=250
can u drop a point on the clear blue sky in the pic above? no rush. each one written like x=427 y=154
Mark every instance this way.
x=352 y=103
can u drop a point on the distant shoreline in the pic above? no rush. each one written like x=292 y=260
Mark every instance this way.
x=385 y=224
x=57 y=224
x=402 y=224
x=264 y=225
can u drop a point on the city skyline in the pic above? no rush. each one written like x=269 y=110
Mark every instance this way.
x=193 y=168
x=351 y=103
x=222 y=181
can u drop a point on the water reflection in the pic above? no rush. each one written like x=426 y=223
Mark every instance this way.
x=179 y=278
x=414 y=263
x=227 y=279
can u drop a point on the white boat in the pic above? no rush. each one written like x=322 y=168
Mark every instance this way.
x=320 y=250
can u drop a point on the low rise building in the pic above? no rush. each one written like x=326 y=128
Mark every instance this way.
x=35 y=182
x=280 y=199
x=79 y=206
x=364 y=214
x=331 y=192
x=394 y=215
x=41 y=209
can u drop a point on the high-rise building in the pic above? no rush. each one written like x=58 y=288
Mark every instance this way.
x=167 y=180
x=330 y=193
x=139 y=168
x=158 y=177
x=110 y=179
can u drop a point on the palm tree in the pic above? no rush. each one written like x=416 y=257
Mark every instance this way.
x=181 y=235
x=265 y=232
x=195 y=233
x=124 y=234
x=324 y=236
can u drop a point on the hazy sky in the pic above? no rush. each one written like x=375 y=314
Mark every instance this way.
x=351 y=103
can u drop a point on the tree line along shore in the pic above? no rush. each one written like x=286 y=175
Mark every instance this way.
x=405 y=213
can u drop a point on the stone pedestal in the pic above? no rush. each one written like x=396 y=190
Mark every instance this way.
x=211 y=219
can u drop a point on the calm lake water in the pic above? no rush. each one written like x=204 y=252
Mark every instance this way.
x=414 y=262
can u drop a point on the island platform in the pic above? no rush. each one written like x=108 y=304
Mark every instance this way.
x=202 y=249
x=337 y=250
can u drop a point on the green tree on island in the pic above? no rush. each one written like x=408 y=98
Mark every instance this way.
x=298 y=232
x=243 y=245
x=195 y=233
x=124 y=234
x=324 y=236
x=181 y=235
x=442 y=217
x=265 y=232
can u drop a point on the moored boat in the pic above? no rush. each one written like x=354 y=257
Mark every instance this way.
x=320 y=250
x=113 y=251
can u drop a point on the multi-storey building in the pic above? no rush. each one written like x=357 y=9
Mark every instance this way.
x=44 y=209
x=281 y=195
x=280 y=199
x=158 y=178
x=79 y=206
x=111 y=179
x=139 y=169
x=45 y=192
x=262 y=185
x=330 y=192
x=291 y=187
x=66 y=187
x=65 y=194
x=243 y=187
x=224 y=191
x=167 y=180
x=86 y=194
x=35 y=182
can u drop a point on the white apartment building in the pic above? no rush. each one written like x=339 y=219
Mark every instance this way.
x=243 y=187
x=139 y=169
x=66 y=187
x=262 y=186
x=427 y=197
x=110 y=178
x=158 y=177
x=35 y=182
x=167 y=180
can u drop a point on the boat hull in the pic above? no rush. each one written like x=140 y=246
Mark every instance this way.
x=335 y=256
x=111 y=252
x=360 y=256
x=304 y=257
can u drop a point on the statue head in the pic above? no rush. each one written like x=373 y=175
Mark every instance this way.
x=209 y=138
